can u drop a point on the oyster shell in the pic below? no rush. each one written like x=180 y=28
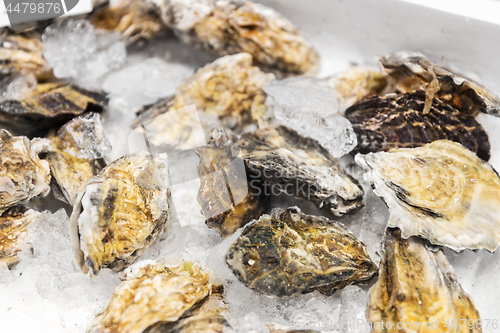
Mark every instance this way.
x=300 y=167
x=398 y=121
x=13 y=231
x=230 y=27
x=202 y=323
x=23 y=175
x=442 y=192
x=289 y=253
x=412 y=71
x=121 y=212
x=419 y=287
x=355 y=84
x=134 y=19
x=225 y=201
x=21 y=54
x=157 y=294
x=77 y=151
x=49 y=105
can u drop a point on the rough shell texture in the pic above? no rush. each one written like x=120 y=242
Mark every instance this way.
x=162 y=295
x=134 y=19
x=418 y=286
x=229 y=27
x=22 y=54
x=13 y=231
x=290 y=253
x=227 y=197
x=442 y=192
x=121 y=212
x=49 y=105
x=23 y=175
x=398 y=121
x=355 y=84
x=202 y=323
x=300 y=167
x=412 y=71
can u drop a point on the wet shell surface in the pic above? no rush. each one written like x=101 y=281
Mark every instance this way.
x=230 y=27
x=419 y=287
x=227 y=197
x=299 y=166
x=202 y=323
x=442 y=192
x=398 y=121
x=49 y=105
x=13 y=231
x=413 y=70
x=158 y=294
x=289 y=253
x=121 y=212
x=23 y=175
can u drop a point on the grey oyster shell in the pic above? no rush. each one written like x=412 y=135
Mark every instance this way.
x=417 y=285
x=289 y=253
x=121 y=212
x=23 y=175
x=442 y=192
x=398 y=121
x=300 y=167
x=230 y=27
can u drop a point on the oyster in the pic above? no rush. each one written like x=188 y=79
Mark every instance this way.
x=418 y=286
x=355 y=84
x=23 y=175
x=49 y=105
x=412 y=71
x=13 y=231
x=300 y=167
x=21 y=54
x=442 y=192
x=289 y=253
x=157 y=294
x=202 y=323
x=134 y=19
x=77 y=151
x=230 y=27
x=121 y=212
x=228 y=199
x=398 y=121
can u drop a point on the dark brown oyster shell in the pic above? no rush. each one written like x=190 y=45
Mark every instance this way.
x=418 y=286
x=300 y=167
x=393 y=121
x=289 y=253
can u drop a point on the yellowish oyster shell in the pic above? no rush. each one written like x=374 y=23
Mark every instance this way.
x=23 y=175
x=418 y=289
x=121 y=212
x=230 y=27
x=442 y=192
x=157 y=294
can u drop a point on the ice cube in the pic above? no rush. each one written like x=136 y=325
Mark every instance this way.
x=310 y=107
x=353 y=304
x=75 y=49
x=491 y=125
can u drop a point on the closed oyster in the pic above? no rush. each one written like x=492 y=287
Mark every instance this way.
x=202 y=323
x=13 y=231
x=77 y=151
x=355 y=84
x=230 y=27
x=300 y=167
x=22 y=54
x=412 y=71
x=418 y=287
x=121 y=212
x=134 y=19
x=23 y=175
x=442 y=192
x=398 y=121
x=227 y=197
x=49 y=105
x=289 y=253
x=158 y=294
